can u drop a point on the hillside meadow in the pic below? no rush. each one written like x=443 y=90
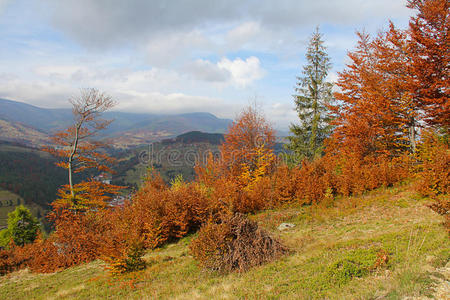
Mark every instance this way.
x=330 y=248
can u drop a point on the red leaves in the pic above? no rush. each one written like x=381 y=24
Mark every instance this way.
x=434 y=170
x=393 y=82
x=167 y=214
x=243 y=142
x=430 y=58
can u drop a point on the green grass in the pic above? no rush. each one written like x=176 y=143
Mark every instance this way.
x=333 y=253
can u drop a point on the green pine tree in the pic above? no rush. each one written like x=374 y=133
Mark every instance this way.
x=22 y=227
x=313 y=92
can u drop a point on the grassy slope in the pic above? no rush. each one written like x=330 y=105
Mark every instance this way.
x=394 y=219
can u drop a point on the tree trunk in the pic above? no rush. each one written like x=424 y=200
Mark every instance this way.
x=72 y=154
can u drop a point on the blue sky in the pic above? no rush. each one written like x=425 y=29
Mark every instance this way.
x=176 y=56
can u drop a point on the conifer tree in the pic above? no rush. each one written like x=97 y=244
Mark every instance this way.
x=313 y=93
x=23 y=227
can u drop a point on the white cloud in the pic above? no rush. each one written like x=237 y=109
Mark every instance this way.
x=243 y=72
x=166 y=49
x=243 y=33
x=37 y=92
x=109 y=23
x=153 y=91
x=281 y=113
x=207 y=71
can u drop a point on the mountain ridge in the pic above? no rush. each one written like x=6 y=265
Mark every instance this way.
x=126 y=130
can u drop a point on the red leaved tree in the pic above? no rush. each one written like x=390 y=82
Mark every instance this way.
x=429 y=43
x=247 y=148
x=78 y=152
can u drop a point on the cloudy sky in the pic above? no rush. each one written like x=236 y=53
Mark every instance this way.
x=176 y=56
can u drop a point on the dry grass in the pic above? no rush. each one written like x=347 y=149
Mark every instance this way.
x=354 y=229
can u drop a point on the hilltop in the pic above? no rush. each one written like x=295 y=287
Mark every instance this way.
x=354 y=230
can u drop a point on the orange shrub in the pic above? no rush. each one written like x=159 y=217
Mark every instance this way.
x=9 y=261
x=167 y=214
x=285 y=182
x=434 y=173
x=78 y=235
x=44 y=256
x=434 y=169
x=40 y=256
x=314 y=181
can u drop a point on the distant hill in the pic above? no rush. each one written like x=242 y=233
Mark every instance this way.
x=30 y=175
x=127 y=129
x=18 y=132
x=197 y=137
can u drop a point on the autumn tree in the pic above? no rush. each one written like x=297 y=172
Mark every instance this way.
x=428 y=47
x=375 y=113
x=78 y=151
x=393 y=64
x=396 y=83
x=248 y=145
x=313 y=93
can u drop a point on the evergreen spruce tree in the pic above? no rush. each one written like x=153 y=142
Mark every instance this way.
x=22 y=226
x=312 y=95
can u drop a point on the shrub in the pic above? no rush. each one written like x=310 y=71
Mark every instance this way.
x=166 y=214
x=285 y=182
x=129 y=262
x=236 y=243
x=78 y=235
x=434 y=169
x=40 y=256
x=434 y=173
x=8 y=262
x=122 y=245
x=43 y=256
x=357 y=263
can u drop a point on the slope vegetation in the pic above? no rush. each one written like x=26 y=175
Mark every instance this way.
x=384 y=245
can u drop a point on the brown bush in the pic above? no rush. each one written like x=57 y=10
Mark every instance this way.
x=166 y=214
x=44 y=256
x=9 y=262
x=285 y=182
x=234 y=244
x=41 y=256
x=434 y=169
x=442 y=207
x=122 y=244
x=78 y=235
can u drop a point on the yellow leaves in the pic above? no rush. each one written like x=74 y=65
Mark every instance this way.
x=261 y=165
x=88 y=195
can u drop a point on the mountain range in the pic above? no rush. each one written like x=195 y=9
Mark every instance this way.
x=31 y=124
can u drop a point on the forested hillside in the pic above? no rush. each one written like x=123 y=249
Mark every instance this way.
x=30 y=173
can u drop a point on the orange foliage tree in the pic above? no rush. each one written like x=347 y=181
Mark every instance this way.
x=374 y=114
x=428 y=47
x=239 y=176
x=79 y=212
x=248 y=145
x=78 y=152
